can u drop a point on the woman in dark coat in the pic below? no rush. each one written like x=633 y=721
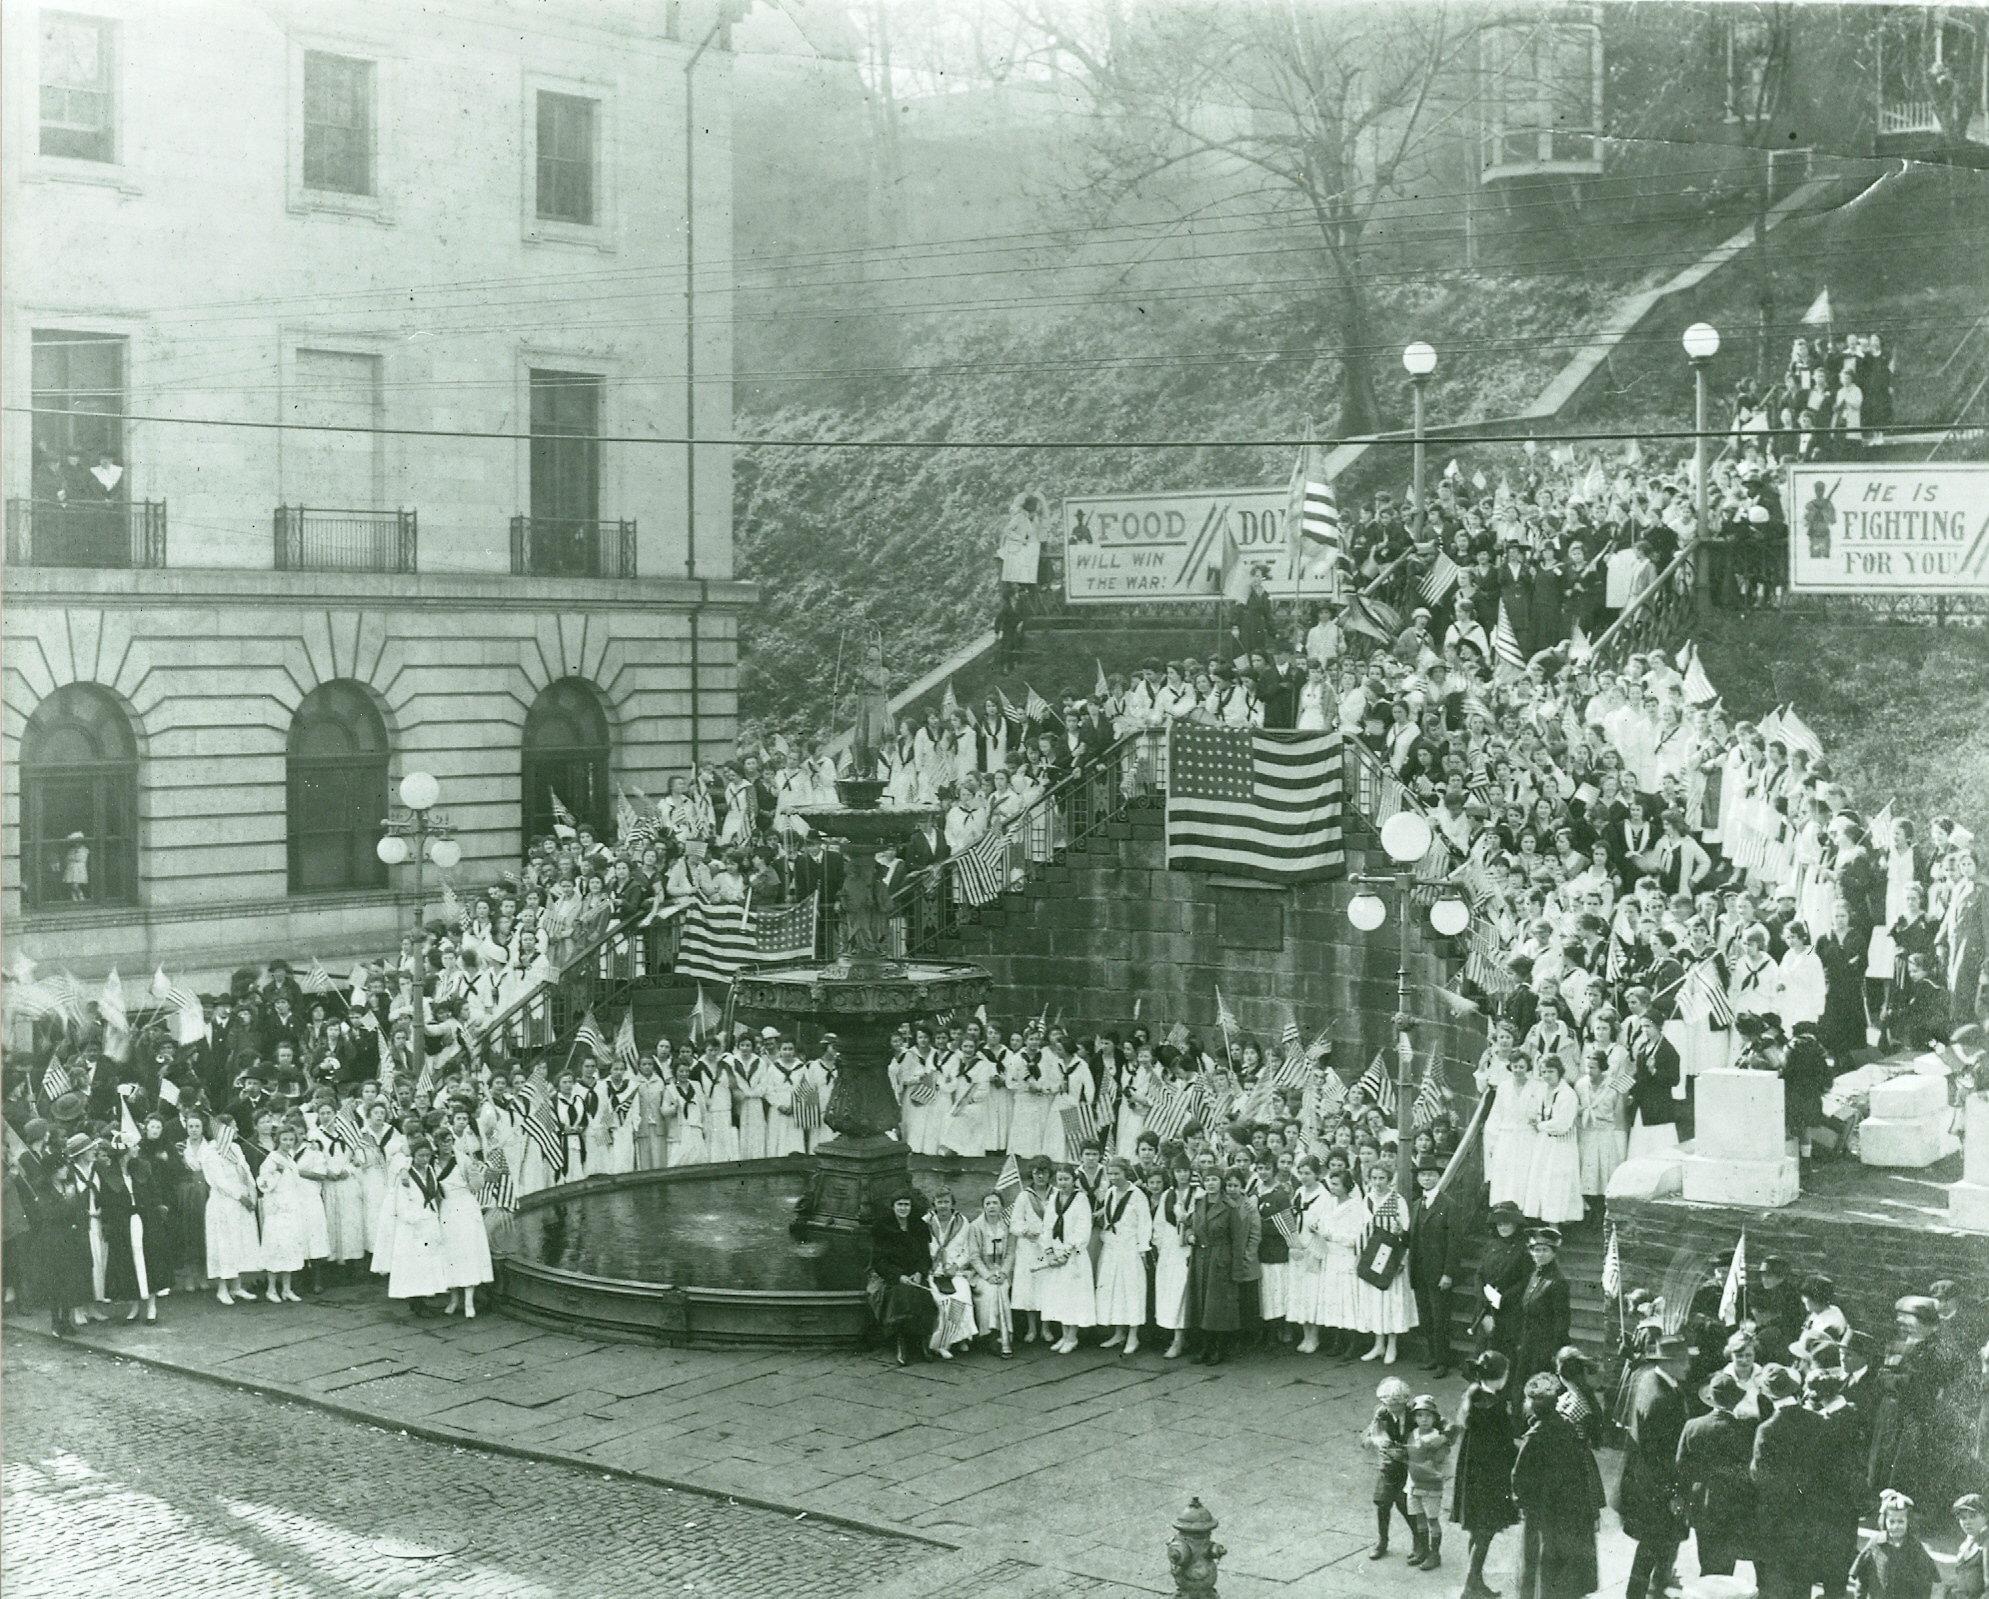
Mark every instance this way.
x=900 y=1262
x=1481 y=1495
x=1842 y=951
x=117 y=1204
x=1219 y=1241
x=1559 y=1492
x=154 y=1174
x=62 y=1265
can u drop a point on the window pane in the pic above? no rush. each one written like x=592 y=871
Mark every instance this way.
x=566 y=158
x=338 y=123
x=566 y=457
x=334 y=824
x=76 y=88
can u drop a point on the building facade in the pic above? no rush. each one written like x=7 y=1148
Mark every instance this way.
x=348 y=354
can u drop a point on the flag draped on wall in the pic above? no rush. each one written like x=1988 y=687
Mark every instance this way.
x=1253 y=802
x=717 y=940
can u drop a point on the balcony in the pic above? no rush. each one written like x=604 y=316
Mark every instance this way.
x=559 y=546
x=313 y=540
x=115 y=533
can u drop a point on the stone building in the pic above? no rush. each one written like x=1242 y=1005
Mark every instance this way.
x=346 y=368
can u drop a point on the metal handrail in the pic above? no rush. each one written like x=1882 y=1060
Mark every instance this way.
x=1065 y=815
x=114 y=533
x=1641 y=618
x=601 y=973
x=325 y=539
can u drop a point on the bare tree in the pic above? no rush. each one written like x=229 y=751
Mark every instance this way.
x=1332 y=112
x=1761 y=39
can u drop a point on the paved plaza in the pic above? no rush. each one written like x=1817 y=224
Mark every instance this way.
x=1037 y=1475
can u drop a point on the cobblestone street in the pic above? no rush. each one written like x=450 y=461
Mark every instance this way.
x=123 y=1478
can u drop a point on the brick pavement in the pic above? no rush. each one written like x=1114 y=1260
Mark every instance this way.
x=1074 y=1464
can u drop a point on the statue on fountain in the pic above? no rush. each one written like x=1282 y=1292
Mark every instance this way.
x=873 y=711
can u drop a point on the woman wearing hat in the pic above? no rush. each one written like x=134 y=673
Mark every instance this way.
x=1481 y=1496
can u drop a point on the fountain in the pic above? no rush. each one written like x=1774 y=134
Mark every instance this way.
x=768 y=1251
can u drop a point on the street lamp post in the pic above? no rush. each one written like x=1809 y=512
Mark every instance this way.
x=1406 y=837
x=420 y=833
x=1702 y=343
x=1419 y=361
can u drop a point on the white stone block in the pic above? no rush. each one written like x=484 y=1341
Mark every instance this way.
x=1709 y=1180
x=1968 y=1207
x=1905 y=1099
x=1975 y=1140
x=1657 y=1176
x=1910 y=1144
x=1738 y=1116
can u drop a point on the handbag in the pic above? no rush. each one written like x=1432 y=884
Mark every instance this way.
x=1384 y=1252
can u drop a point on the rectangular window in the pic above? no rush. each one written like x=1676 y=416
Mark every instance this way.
x=76 y=88
x=566 y=474
x=566 y=157
x=338 y=458
x=338 y=123
x=78 y=405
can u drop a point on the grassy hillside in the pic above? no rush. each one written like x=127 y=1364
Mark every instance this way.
x=1903 y=712
x=903 y=539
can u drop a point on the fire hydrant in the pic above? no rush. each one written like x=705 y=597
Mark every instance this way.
x=1192 y=1553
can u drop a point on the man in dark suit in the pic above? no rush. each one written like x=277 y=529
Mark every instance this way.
x=1776 y=1307
x=1790 y=1457
x=1846 y=1444
x=925 y=847
x=1544 y=1308
x=1092 y=732
x=1647 y=1496
x=1436 y=1261
x=1503 y=1268
x=1714 y=1451
x=818 y=867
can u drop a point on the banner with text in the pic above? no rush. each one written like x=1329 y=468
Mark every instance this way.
x=1889 y=529
x=1121 y=547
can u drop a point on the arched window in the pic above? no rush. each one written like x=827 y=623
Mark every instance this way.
x=337 y=771
x=79 y=802
x=566 y=753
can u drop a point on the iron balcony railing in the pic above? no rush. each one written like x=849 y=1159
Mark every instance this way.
x=309 y=539
x=559 y=546
x=111 y=533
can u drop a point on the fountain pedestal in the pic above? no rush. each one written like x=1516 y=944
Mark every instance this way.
x=861 y=997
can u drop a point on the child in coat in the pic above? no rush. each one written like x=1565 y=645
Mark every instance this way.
x=1388 y=1436
x=1428 y=1451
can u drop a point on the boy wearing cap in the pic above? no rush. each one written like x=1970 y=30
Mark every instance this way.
x=1428 y=1451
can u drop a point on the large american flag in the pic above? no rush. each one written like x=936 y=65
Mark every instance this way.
x=718 y=940
x=1256 y=803
x=981 y=873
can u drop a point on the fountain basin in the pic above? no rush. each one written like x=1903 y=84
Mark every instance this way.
x=701 y=1255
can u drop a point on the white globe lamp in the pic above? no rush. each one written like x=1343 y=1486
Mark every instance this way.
x=446 y=853
x=1367 y=912
x=392 y=849
x=420 y=791
x=1450 y=917
x=1406 y=836
x=1702 y=341
x=1419 y=360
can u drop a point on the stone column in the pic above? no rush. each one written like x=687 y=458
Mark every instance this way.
x=1968 y=1200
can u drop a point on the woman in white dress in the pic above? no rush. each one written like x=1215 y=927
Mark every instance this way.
x=1126 y=1220
x=1508 y=1150
x=419 y=1266
x=234 y=1244
x=1554 y=1180
x=1136 y=1098
x=1069 y=1293
x=286 y=1227
x=779 y=1074
x=991 y=1272
x=369 y=1171
x=1307 y=1269
x=1030 y=1096
x=1385 y=1312
x=1055 y=1071
x=1336 y=1225
x=1171 y=1254
x=1603 y=1135
x=687 y=1145
x=621 y=1095
x=915 y=1077
x=326 y=1159
x=721 y=1137
x=950 y=1281
x=1001 y=1095
x=965 y=1083
x=1028 y=1219
x=749 y=1099
x=465 y=1238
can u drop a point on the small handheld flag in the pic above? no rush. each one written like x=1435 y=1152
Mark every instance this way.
x=588 y=1037
x=1733 y=1297
x=1008 y=1184
x=1612 y=1268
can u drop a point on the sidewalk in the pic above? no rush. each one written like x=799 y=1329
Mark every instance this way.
x=1078 y=1464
